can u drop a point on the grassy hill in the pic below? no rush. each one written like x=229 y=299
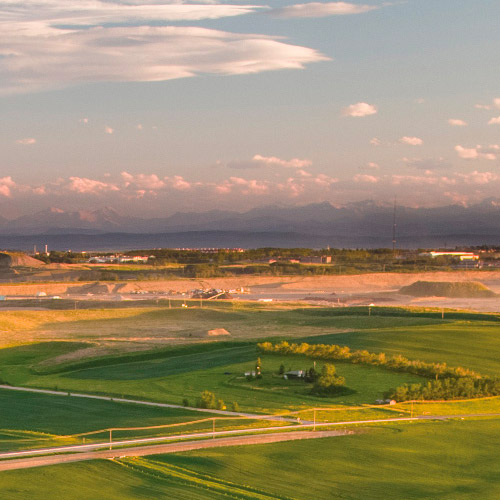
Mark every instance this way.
x=452 y=289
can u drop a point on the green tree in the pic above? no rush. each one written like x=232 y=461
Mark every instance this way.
x=328 y=382
x=207 y=400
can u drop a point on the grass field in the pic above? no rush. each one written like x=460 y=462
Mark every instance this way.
x=171 y=372
x=456 y=460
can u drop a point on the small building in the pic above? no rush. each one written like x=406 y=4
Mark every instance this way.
x=294 y=374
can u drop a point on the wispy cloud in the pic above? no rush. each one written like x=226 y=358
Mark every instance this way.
x=426 y=163
x=454 y=122
x=359 y=110
x=259 y=161
x=323 y=9
x=109 y=130
x=56 y=43
x=27 y=141
x=370 y=179
x=477 y=153
x=411 y=141
x=494 y=121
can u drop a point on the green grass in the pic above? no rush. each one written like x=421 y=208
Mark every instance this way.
x=100 y=480
x=456 y=460
x=474 y=345
x=185 y=374
x=170 y=373
x=29 y=419
x=448 y=460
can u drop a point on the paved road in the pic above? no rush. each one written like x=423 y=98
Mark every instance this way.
x=219 y=436
x=165 y=448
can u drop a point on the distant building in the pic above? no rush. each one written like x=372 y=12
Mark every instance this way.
x=319 y=259
x=458 y=255
x=294 y=374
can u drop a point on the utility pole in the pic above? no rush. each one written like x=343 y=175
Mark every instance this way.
x=110 y=438
x=394 y=228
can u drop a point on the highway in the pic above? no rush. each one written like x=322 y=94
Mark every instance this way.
x=25 y=463
x=218 y=438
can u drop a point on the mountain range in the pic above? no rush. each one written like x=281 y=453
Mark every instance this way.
x=361 y=224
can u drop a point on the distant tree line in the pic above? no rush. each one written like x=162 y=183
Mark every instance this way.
x=449 y=382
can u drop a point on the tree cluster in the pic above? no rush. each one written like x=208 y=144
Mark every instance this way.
x=343 y=353
x=448 y=388
x=449 y=382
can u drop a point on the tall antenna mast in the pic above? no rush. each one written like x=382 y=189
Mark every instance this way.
x=394 y=228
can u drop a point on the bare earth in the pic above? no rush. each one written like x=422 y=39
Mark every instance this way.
x=362 y=289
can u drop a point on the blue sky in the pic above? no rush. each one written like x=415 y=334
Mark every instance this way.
x=157 y=106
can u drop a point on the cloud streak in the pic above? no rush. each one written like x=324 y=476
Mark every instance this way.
x=52 y=44
x=317 y=9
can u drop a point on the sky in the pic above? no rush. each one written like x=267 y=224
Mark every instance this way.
x=153 y=107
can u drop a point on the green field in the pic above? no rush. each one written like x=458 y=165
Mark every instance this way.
x=32 y=420
x=165 y=355
x=456 y=460
x=171 y=371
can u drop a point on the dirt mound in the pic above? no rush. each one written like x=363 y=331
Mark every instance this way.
x=91 y=288
x=18 y=259
x=218 y=332
x=453 y=289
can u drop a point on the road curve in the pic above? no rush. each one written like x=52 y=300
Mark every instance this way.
x=26 y=463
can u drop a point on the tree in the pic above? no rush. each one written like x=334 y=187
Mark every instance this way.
x=282 y=369
x=328 y=382
x=258 y=368
x=207 y=400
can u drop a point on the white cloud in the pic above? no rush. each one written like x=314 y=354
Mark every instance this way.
x=108 y=130
x=496 y=102
x=259 y=161
x=375 y=141
x=179 y=183
x=360 y=109
x=27 y=141
x=148 y=182
x=479 y=177
x=372 y=165
x=43 y=47
x=317 y=9
x=476 y=153
x=454 y=122
x=274 y=161
x=365 y=178
x=494 y=121
x=412 y=141
x=482 y=106
x=89 y=186
x=6 y=184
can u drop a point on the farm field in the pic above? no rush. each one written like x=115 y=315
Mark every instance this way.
x=171 y=372
x=454 y=460
x=165 y=355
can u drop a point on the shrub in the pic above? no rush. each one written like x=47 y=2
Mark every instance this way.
x=207 y=400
